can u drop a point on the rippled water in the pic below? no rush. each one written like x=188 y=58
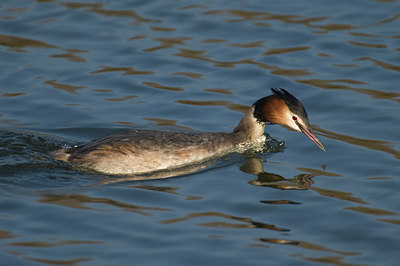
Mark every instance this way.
x=74 y=71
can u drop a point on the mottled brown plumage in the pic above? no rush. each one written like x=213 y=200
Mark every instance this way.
x=143 y=151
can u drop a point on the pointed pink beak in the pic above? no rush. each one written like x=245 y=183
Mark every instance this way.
x=311 y=136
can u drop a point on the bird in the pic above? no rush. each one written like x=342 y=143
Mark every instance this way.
x=134 y=152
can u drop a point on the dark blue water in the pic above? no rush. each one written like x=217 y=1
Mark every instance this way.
x=74 y=71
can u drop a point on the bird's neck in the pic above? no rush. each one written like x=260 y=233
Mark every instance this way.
x=249 y=128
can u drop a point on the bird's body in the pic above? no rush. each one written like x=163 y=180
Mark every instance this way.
x=143 y=151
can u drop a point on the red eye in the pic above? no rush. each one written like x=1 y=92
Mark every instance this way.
x=294 y=118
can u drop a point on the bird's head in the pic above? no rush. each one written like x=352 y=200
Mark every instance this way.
x=284 y=109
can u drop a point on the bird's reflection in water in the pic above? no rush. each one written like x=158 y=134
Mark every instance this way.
x=255 y=166
x=252 y=165
x=305 y=181
x=159 y=174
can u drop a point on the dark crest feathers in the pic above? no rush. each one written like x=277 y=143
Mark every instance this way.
x=292 y=102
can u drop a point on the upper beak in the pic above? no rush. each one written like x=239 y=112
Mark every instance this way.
x=311 y=135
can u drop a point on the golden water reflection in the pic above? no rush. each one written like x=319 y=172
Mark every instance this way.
x=70 y=54
x=332 y=84
x=390 y=221
x=189 y=74
x=318 y=172
x=235 y=221
x=362 y=34
x=13 y=94
x=285 y=18
x=121 y=13
x=334 y=260
x=81 y=5
x=310 y=22
x=377 y=145
x=65 y=87
x=214 y=40
x=6 y=234
x=137 y=37
x=248 y=45
x=120 y=99
x=78 y=201
x=368 y=45
x=231 y=106
x=163 y=87
x=192 y=7
x=169 y=190
x=17 y=43
x=165 y=43
x=274 y=51
x=125 y=70
x=311 y=246
x=220 y=91
x=274 y=69
x=380 y=63
x=59 y=262
x=49 y=244
x=162 y=29
x=370 y=211
x=166 y=122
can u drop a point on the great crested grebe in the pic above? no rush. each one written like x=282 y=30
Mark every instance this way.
x=144 y=151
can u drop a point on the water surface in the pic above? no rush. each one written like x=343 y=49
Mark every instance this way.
x=74 y=71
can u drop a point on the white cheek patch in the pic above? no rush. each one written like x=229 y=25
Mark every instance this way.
x=292 y=123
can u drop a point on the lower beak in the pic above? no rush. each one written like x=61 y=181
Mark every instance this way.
x=311 y=135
